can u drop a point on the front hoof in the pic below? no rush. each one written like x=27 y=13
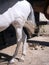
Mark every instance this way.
x=12 y=61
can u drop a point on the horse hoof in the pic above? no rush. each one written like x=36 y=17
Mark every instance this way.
x=12 y=61
x=21 y=59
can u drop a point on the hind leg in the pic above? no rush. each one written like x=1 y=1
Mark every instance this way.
x=24 y=47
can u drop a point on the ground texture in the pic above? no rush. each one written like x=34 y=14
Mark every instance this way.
x=33 y=57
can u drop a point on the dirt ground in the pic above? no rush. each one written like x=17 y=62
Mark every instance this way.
x=33 y=57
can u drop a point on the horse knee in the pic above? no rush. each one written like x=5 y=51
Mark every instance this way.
x=19 y=39
x=24 y=36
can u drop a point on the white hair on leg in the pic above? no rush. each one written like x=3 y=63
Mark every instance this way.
x=19 y=39
x=24 y=37
x=24 y=47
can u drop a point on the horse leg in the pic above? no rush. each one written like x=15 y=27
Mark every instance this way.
x=19 y=38
x=24 y=47
x=24 y=37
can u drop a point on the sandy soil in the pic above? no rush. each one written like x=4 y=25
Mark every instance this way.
x=33 y=57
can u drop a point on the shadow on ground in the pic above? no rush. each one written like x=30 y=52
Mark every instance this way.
x=44 y=43
x=4 y=57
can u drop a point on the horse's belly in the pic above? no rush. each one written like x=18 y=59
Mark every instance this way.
x=3 y=28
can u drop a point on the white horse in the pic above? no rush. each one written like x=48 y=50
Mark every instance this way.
x=18 y=15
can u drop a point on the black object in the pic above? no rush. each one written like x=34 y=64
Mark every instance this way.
x=7 y=37
x=5 y=4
